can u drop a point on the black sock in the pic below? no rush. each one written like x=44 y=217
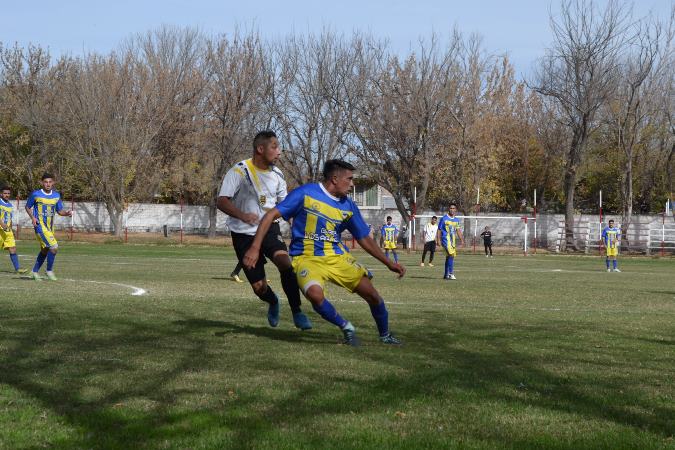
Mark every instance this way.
x=289 y=283
x=269 y=296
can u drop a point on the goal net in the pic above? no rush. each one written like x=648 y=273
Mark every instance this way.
x=510 y=234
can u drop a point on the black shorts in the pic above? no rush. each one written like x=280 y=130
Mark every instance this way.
x=272 y=243
x=430 y=246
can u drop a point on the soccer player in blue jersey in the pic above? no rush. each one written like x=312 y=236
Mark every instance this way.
x=7 y=241
x=611 y=237
x=320 y=213
x=42 y=205
x=389 y=237
x=448 y=232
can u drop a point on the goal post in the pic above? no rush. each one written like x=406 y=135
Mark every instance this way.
x=510 y=234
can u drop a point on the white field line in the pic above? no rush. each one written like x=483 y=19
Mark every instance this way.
x=136 y=290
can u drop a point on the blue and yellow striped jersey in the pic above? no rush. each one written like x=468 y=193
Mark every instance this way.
x=319 y=219
x=6 y=213
x=389 y=232
x=611 y=236
x=45 y=206
x=449 y=226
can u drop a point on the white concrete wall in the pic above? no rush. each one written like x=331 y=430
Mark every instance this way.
x=145 y=217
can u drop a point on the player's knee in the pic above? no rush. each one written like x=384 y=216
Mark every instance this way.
x=259 y=287
x=282 y=260
x=314 y=294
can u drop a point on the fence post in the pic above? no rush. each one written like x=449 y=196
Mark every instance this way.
x=18 y=227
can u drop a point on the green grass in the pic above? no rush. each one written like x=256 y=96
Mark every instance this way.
x=511 y=355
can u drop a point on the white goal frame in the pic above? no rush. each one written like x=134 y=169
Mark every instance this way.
x=412 y=226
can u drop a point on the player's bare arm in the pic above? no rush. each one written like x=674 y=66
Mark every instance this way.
x=371 y=247
x=29 y=211
x=461 y=236
x=65 y=213
x=225 y=205
x=251 y=256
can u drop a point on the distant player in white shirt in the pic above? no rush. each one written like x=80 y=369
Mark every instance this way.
x=251 y=188
x=430 y=230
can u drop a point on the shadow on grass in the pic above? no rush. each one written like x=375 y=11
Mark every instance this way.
x=277 y=334
x=152 y=359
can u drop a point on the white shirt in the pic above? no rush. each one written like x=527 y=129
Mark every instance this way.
x=430 y=230
x=252 y=190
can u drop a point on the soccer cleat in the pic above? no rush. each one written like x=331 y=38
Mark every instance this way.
x=273 y=314
x=446 y=277
x=301 y=321
x=422 y=265
x=431 y=265
x=35 y=276
x=349 y=333
x=452 y=277
x=51 y=276
x=390 y=339
x=617 y=270
x=609 y=270
x=236 y=278
x=21 y=271
x=486 y=256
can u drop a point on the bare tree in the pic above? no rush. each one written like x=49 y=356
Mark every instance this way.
x=394 y=109
x=110 y=124
x=309 y=102
x=632 y=105
x=28 y=87
x=579 y=71
x=238 y=89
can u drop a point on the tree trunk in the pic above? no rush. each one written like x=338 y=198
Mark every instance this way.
x=213 y=216
x=116 y=213
x=627 y=210
x=570 y=186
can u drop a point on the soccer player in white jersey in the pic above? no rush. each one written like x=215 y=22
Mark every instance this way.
x=430 y=230
x=251 y=188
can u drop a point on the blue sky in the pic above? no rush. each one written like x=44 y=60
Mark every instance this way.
x=519 y=28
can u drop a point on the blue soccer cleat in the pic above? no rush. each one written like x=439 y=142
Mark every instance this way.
x=301 y=321
x=273 y=314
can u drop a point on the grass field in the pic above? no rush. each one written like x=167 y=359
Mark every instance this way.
x=536 y=352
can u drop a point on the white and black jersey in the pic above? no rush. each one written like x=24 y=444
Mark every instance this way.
x=252 y=190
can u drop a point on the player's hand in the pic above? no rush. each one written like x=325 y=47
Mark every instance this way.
x=398 y=268
x=35 y=222
x=251 y=258
x=69 y=213
x=250 y=218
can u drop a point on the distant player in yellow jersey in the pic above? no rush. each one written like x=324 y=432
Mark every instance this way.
x=6 y=236
x=389 y=238
x=611 y=238
x=320 y=213
x=42 y=205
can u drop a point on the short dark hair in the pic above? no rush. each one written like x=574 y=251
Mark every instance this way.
x=335 y=165
x=388 y=217
x=262 y=137
x=452 y=204
x=611 y=220
x=47 y=175
x=434 y=217
x=5 y=187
